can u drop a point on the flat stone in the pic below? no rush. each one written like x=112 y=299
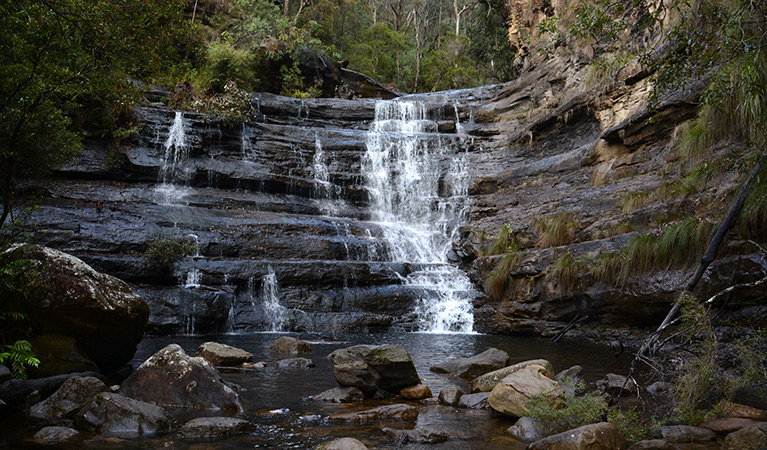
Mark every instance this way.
x=54 y=435
x=342 y=444
x=223 y=355
x=724 y=425
x=746 y=412
x=487 y=382
x=473 y=366
x=677 y=434
x=526 y=429
x=340 y=395
x=652 y=444
x=289 y=345
x=474 y=401
x=386 y=412
x=752 y=437
x=597 y=436
x=214 y=427
x=417 y=392
x=450 y=395
x=294 y=363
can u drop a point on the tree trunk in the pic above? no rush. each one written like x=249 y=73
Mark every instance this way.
x=286 y=8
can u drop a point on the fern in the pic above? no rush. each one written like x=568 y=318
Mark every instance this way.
x=19 y=357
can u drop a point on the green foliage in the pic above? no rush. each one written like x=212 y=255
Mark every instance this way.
x=163 y=254
x=449 y=66
x=704 y=385
x=596 y=19
x=752 y=223
x=498 y=280
x=606 y=67
x=556 y=230
x=506 y=241
x=678 y=245
x=20 y=357
x=560 y=414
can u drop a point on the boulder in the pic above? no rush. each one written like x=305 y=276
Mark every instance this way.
x=54 y=435
x=172 y=378
x=68 y=398
x=340 y=395
x=450 y=395
x=677 y=434
x=386 y=412
x=116 y=415
x=105 y=317
x=487 y=382
x=746 y=412
x=511 y=395
x=652 y=444
x=474 y=401
x=374 y=367
x=574 y=374
x=660 y=389
x=526 y=429
x=289 y=345
x=597 y=436
x=342 y=444
x=752 y=437
x=417 y=392
x=612 y=384
x=474 y=366
x=214 y=427
x=294 y=362
x=61 y=354
x=223 y=355
x=5 y=374
x=14 y=391
x=724 y=425
x=425 y=435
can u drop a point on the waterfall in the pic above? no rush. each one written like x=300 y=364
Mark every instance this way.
x=418 y=187
x=270 y=295
x=175 y=153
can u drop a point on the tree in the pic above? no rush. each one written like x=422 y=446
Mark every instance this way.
x=58 y=54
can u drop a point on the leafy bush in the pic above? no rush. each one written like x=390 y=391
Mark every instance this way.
x=163 y=254
x=562 y=413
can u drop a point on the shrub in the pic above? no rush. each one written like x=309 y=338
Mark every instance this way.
x=19 y=357
x=163 y=254
x=505 y=242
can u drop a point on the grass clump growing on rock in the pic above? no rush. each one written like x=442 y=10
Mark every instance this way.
x=498 y=280
x=678 y=245
x=163 y=254
x=567 y=269
x=556 y=230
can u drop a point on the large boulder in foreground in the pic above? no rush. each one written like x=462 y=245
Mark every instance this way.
x=511 y=395
x=597 y=436
x=473 y=366
x=172 y=378
x=105 y=317
x=374 y=367
x=752 y=437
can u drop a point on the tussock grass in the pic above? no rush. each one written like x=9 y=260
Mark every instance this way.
x=678 y=245
x=566 y=270
x=556 y=230
x=498 y=280
x=753 y=218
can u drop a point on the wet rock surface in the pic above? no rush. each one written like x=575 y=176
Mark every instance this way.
x=172 y=378
x=397 y=412
x=598 y=436
x=68 y=398
x=222 y=354
x=54 y=435
x=340 y=395
x=372 y=368
x=526 y=429
x=214 y=427
x=289 y=345
x=474 y=366
x=450 y=395
x=112 y=414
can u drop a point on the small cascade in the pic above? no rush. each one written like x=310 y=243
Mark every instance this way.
x=274 y=312
x=245 y=144
x=458 y=127
x=321 y=174
x=303 y=110
x=418 y=186
x=175 y=153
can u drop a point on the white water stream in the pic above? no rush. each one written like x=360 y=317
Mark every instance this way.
x=418 y=186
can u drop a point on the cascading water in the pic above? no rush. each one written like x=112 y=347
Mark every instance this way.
x=175 y=153
x=418 y=186
x=270 y=295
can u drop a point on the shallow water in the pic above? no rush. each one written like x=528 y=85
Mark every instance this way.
x=276 y=400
